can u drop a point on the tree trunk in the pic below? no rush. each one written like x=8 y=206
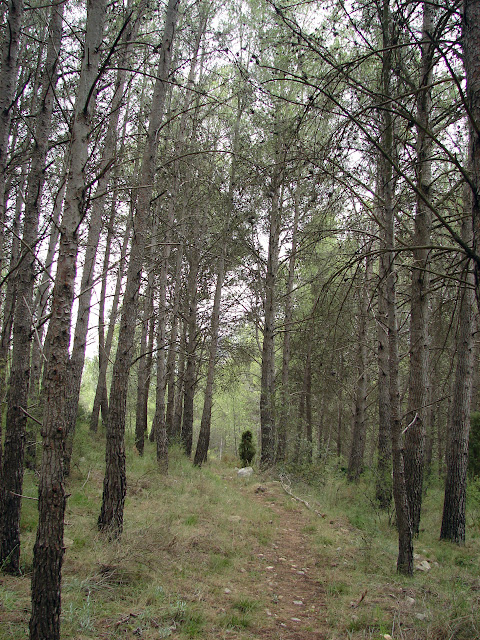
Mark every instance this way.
x=285 y=417
x=179 y=387
x=172 y=425
x=471 y=60
x=77 y=359
x=405 y=544
x=8 y=78
x=114 y=487
x=307 y=391
x=40 y=348
x=172 y=431
x=105 y=347
x=17 y=399
x=357 y=449
x=418 y=389
x=189 y=381
x=340 y=407
x=146 y=345
x=267 y=391
x=48 y=549
x=204 y=436
x=159 y=427
x=453 y=520
x=7 y=324
x=383 y=481
x=144 y=369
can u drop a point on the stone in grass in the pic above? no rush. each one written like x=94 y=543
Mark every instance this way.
x=246 y=472
x=423 y=566
x=234 y=518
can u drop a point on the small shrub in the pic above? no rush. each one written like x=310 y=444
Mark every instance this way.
x=247 y=449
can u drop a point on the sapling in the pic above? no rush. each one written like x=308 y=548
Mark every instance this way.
x=247 y=448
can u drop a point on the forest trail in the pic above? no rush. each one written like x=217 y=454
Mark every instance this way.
x=287 y=570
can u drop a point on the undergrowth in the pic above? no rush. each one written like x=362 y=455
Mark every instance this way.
x=186 y=566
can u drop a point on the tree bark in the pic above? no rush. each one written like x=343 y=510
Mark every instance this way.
x=204 y=435
x=48 y=549
x=7 y=324
x=453 y=519
x=189 y=380
x=144 y=367
x=114 y=487
x=8 y=78
x=471 y=61
x=15 y=434
x=405 y=544
x=267 y=391
x=383 y=480
x=285 y=417
x=173 y=428
x=179 y=387
x=159 y=427
x=105 y=346
x=77 y=359
x=357 y=449
x=418 y=385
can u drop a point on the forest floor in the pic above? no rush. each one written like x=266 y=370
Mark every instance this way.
x=289 y=573
x=207 y=555
x=297 y=579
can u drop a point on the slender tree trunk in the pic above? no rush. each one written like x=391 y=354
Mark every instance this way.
x=144 y=368
x=159 y=426
x=105 y=348
x=189 y=381
x=307 y=391
x=173 y=348
x=404 y=527
x=146 y=342
x=40 y=348
x=357 y=449
x=8 y=78
x=204 y=436
x=114 y=487
x=418 y=388
x=7 y=324
x=179 y=387
x=340 y=408
x=285 y=417
x=48 y=550
x=14 y=448
x=471 y=60
x=267 y=391
x=383 y=481
x=77 y=359
x=453 y=520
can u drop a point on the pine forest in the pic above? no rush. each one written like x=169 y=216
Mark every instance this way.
x=239 y=312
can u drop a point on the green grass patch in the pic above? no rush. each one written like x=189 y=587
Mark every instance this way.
x=245 y=605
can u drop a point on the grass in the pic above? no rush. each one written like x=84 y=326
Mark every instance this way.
x=188 y=564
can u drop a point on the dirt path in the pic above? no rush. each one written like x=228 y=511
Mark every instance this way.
x=287 y=571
